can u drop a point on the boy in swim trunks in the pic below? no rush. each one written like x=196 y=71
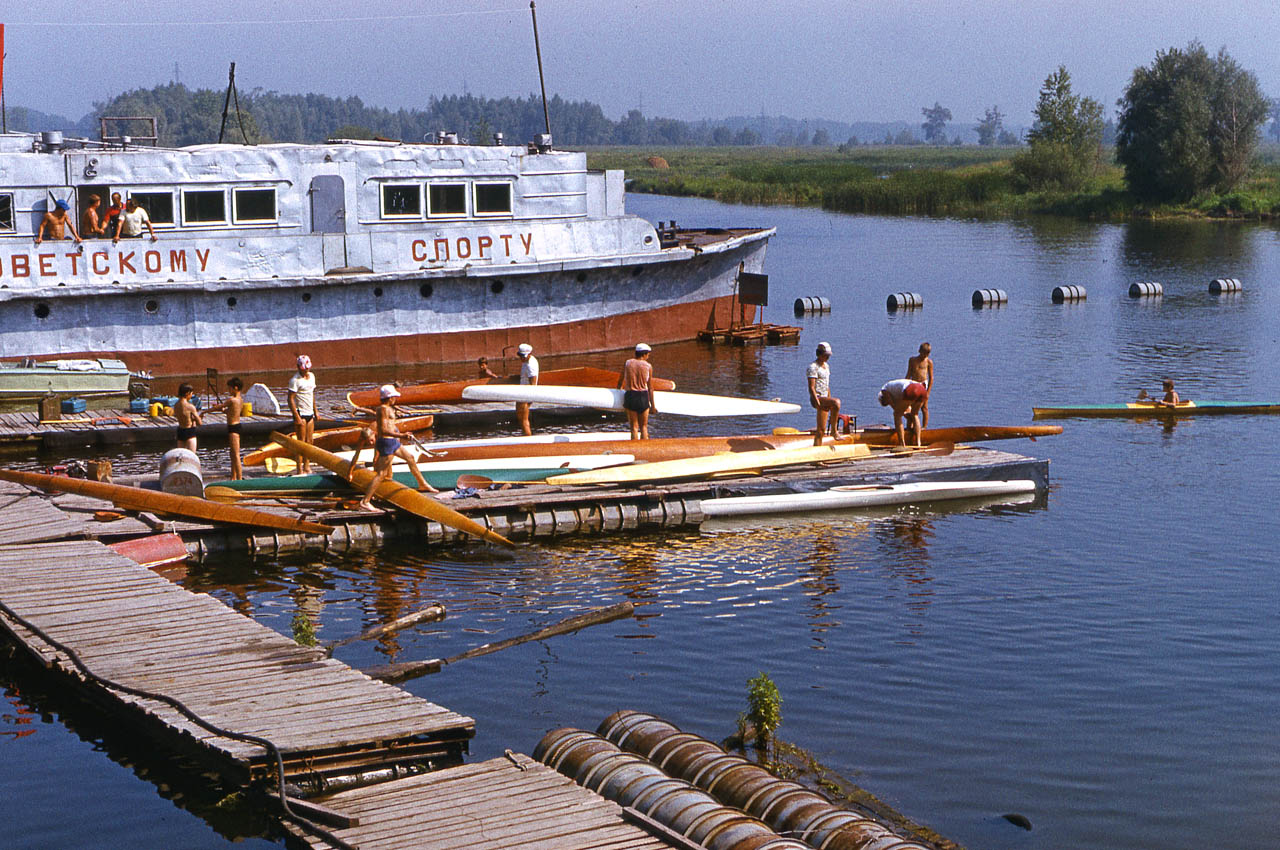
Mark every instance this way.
x=302 y=404
x=920 y=369
x=387 y=446
x=234 y=407
x=188 y=417
x=637 y=399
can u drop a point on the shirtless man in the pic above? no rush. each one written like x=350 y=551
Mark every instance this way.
x=818 y=375
x=188 y=417
x=920 y=369
x=1170 y=398
x=387 y=447
x=91 y=223
x=57 y=222
x=905 y=397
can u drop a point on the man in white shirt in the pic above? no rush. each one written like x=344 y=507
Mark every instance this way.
x=528 y=377
x=820 y=397
x=905 y=397
x=302 y=404
x=131 y=222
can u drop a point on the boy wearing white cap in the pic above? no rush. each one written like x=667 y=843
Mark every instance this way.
x=387 y=447
x=636 y=384
x=820 y=397
x=302 y=404
x=528 y=377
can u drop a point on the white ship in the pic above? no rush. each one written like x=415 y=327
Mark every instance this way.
x=356 y=253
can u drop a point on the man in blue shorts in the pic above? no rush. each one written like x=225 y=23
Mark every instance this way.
x=387 y=447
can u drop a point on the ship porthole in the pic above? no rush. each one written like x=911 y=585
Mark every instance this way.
x=425 y=290
x=582 y=277
x=306 y=296
x=42 y=310
x=152 y=306
x=231 y=302
x=496 y=287
x=377 y=292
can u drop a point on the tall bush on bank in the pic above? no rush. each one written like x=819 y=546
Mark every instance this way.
x=1188 y=123
x=1065 y=142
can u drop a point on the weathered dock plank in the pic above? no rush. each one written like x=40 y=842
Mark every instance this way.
x=514 y=803
x=134 y=627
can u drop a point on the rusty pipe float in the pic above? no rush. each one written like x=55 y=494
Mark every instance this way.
x=634 y=782
x=787 y=806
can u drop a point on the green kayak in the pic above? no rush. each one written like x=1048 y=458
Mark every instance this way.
x=1136 y=409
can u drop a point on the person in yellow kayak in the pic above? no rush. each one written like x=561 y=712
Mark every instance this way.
x=1170 y=398
x=387 y=447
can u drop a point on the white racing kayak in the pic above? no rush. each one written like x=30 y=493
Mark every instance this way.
x=534 y=439
x=861 y=496
x=680 y=404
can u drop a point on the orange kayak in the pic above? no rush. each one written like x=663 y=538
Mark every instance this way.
x=450 y=392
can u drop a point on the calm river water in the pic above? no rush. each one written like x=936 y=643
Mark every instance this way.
x=1105 y=665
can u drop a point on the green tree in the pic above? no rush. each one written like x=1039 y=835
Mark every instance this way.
x=990 y=125
x=1065 y=141
x=821 y=138
x=935 y=123
x=1188 y=123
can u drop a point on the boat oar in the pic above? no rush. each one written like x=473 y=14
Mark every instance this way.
x=933 y=449
x=429 y=614
x=412 y=669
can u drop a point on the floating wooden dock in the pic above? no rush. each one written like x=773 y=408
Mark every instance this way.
x=133 y=627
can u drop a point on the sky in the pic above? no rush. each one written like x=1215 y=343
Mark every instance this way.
x=859 y=60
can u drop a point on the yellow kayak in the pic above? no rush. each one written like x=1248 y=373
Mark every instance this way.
x=393 y=491
x=699 y=467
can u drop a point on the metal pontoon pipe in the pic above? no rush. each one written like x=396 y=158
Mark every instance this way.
x=787 y=806
x=636 y=783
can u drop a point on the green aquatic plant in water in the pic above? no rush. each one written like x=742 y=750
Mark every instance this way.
x=764 y=709
x=303 y=632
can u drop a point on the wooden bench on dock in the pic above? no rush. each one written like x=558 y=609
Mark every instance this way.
x=130 y=626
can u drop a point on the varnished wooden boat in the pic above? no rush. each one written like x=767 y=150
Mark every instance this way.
x=138 y=499
x=450 y=392
x=718 y=464
x=394 y=492
x=1137 y=409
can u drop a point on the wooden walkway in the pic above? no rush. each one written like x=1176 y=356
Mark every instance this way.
x=512 y=803
x=133 y=627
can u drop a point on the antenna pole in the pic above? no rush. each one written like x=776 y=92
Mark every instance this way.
x=546 y=116
x=226 y=104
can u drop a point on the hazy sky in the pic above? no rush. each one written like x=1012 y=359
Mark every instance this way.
x=874 y=61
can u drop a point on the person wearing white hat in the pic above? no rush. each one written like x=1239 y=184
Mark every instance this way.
x=820 y=398
x=302 y=404
x=528 y=377
x=387 y=447
x=636 y=383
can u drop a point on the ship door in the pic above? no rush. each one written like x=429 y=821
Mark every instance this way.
x=329 y=217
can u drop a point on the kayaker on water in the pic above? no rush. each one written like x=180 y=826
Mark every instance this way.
x=1170 y=395
x=820 y=398
x=905 y=397
x=386 y=443
x=636 y=384
x=920 y=368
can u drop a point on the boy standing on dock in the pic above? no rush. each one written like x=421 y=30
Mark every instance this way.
x=188 y=417
x=636 y=383
x=920 y=369
x=234 y=407
x=387 y=447
x=528 y=377
x=302 y=404
x=820 y=398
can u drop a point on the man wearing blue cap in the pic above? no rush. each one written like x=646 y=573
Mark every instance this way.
x=57 y=222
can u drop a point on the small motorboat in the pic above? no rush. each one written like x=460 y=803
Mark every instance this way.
x=30 y=378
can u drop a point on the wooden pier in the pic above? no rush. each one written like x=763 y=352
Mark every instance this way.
x=135 y=628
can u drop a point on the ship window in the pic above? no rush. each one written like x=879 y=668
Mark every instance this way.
x=6 y=211
x=447 y=199
x=204 y=206
x=401 y=200
x=159 y=205
x=254 y=205
x=493 y=198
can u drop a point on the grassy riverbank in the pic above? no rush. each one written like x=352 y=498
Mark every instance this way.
x=916 y=180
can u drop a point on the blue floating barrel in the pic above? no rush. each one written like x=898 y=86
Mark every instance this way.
x=989 y=297
x=1063 y=294
x=1225 y=284
x=1149 y=289
x=904 y=301
x=812 y=304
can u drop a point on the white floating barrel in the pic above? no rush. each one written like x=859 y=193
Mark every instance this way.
x=1149 y=289
x=1225 y=284
x=904 y=301
x=813 y=304
x=180 y=473
x=1062 y=294
x=989 y=297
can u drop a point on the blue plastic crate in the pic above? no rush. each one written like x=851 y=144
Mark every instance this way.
x=139 y=405
x=73 y=405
